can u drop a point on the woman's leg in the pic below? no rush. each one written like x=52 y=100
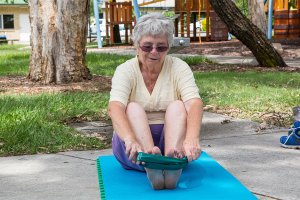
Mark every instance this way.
x=138 y=120
x=175 y=129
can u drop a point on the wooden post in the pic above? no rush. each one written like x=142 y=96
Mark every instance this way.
x=207 y=7
x=177 y=10
x=107 y=23
x=286 y=4
x=176 y=27
x=188 y=17
x=279 y=5
x=194 y=25
x=111 y=26
x=275 y=5
x=200 y=8
x=182 y=24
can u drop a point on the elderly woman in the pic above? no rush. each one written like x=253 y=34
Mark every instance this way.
x=154 y=103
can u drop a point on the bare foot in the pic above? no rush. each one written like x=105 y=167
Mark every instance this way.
x=156 y=176
x=172 y=176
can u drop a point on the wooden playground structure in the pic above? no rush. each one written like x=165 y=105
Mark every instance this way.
x=286 y=19
x=116 y=14
x=216 y=30
x=189 y=12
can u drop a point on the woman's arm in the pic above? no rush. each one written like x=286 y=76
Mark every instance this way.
x=191 y=143
x=122 y=127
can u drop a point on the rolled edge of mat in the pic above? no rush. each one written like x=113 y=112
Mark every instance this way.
x=100 y=180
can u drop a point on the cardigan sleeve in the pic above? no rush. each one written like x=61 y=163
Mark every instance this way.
x=121 y=84
x=186 y=85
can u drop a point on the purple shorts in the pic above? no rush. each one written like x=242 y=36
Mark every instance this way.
x=118 y=147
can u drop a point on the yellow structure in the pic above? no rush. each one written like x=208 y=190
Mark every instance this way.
x=284 y=5
x=144 y=3
x=19 y=28
x=286 y=18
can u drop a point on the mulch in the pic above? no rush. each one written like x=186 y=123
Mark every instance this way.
x=22 y=85
x=291 y=48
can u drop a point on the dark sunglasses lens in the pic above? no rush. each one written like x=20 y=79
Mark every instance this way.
x=146 y=48
x=158 y=49
x=161 y=49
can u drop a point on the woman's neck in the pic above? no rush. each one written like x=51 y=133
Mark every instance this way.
x=150 y=75
x=151 y=71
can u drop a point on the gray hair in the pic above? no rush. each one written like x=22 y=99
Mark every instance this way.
x=153 y=24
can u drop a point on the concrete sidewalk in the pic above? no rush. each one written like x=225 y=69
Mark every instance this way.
x=255 y=158
x=246 y=60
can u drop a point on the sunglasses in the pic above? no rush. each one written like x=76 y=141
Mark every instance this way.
x=149 y=48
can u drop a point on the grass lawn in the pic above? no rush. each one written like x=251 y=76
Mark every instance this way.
x=267 y=96
x=14 y=60
x=37 y=123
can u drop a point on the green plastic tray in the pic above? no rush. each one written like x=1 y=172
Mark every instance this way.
x=161 y=162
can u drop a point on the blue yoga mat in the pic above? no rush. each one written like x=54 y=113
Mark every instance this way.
x=202 y=179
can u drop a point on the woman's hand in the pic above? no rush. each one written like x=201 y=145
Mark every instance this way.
x=192 y=149
x=132 y=150
x=191 y=143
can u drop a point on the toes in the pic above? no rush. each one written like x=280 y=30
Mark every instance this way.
x=171 y=153
x=174 y=153
x=156 y=151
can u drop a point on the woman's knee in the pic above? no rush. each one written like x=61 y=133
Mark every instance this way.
x=133 y=106
x=134 y=109
x=177 y=108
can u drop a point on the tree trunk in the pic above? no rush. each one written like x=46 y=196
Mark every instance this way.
x=58 y=40
x=257 y=14
x=248 y=33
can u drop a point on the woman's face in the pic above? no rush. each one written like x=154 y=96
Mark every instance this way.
x=152 y=50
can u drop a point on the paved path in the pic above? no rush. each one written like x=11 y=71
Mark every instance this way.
x=246 y=60
x=255 y=158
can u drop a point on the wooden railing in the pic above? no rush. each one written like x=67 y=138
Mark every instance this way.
x=116 y=14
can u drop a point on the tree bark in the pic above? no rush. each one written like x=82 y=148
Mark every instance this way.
x=248 y=33
x=257 y=14
x=58 y=40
